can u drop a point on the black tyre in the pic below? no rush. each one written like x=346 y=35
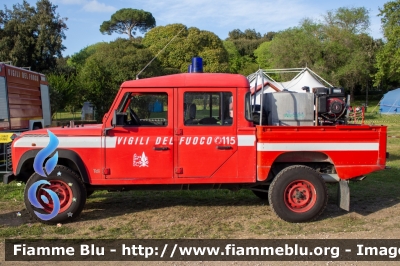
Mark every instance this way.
x=58 y=198
x=298 y=194
x=263 y=195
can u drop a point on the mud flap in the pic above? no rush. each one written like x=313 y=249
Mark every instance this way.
x=344 y=195
x=8 y=178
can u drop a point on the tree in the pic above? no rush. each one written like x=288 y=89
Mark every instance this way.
x=111 y=64
x=349 y=52
x=78 y=59
x=246 y=42
x=269 y=36
x=64 y=90
x=127 y=21
x=249 y=34
x=337 y=49
x=235 y=60
x=187 y=44
x=388 y=58
x=354 y=20
x=297 y=47
x=351 y=62
x=32 y=36
x=62 y=93
x=263 y=54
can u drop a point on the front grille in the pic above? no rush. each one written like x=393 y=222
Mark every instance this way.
x=8 y=156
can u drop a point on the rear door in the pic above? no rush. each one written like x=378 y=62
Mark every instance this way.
x=206 y=138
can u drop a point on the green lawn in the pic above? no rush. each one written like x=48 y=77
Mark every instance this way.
x=64 y=115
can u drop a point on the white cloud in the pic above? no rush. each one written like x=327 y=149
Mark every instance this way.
x=71 y=2
x=89 y=5
x=94 y=6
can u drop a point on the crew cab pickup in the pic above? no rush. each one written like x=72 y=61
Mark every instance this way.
x=192 y=130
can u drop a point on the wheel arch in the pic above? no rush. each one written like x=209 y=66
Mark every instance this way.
x=303 y=156
x=66 y=158
x=313 y=159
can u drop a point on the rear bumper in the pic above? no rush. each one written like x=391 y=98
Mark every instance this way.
x=8 y=178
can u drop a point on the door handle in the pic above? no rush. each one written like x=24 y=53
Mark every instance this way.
x=160 y=148
x=224 y=147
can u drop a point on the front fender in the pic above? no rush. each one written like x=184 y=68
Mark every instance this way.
x=67 y=158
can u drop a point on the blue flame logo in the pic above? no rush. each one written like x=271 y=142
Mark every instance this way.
x=43 y=154
x=49 y=167
x=32 y=198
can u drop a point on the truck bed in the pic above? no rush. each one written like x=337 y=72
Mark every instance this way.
x=354 y=150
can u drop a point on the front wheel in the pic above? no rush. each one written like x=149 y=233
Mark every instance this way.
x=298 y=194
x=58 y=198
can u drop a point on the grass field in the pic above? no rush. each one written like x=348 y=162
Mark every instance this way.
x=64 y=115
x=217 y=214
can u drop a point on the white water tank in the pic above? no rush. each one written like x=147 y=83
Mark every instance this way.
x=289 y=108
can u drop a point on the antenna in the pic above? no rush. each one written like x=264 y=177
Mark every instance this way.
x=137 y=76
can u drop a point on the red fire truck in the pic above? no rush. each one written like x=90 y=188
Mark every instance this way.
x=196 y=131
x=24 y=105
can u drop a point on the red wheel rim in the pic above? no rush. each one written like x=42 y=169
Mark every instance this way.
x=300 y=196
x=63 y=191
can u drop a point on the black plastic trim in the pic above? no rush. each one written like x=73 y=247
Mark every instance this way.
x=8 y=178
x=62 y=154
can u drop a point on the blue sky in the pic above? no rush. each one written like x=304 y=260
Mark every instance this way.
x=220 y=17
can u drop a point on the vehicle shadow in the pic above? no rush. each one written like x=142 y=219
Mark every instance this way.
x=120 y=203
x=376 y=193
x=112 y=204
x=15 y=218
x=394 y=157
x=364 y=201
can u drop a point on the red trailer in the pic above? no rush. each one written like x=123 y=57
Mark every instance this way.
x=24 y=105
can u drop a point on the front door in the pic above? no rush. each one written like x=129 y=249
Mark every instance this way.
x=142 y=138
x=205 y=135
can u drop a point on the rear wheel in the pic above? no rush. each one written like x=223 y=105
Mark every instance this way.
x=58 y=198
x=298 y=194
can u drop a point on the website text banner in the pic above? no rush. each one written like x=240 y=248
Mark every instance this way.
x=203 y=250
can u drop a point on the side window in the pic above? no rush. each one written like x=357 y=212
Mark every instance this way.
x=143 y=109
x=248 y=107
x=208 y=108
